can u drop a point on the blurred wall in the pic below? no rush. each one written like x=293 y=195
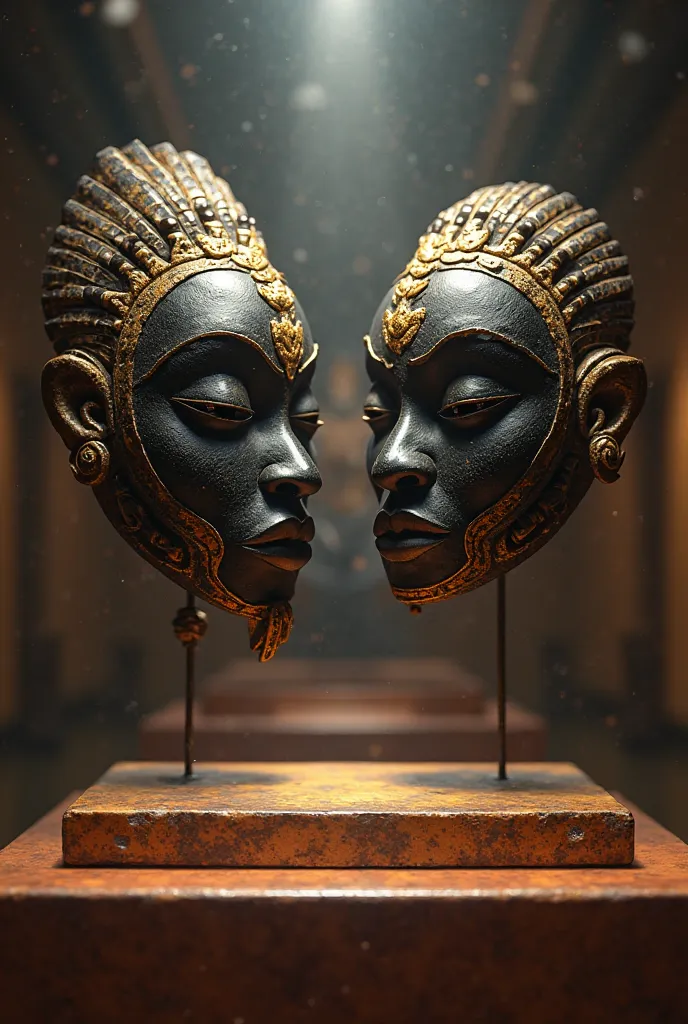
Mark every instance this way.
x=345 y=127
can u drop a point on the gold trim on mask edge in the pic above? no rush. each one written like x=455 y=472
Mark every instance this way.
x=205 y=544
x=482 y=538
x=466 y=332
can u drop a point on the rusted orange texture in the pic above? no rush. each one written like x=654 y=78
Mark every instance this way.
x=355 y=814
x=293 y=946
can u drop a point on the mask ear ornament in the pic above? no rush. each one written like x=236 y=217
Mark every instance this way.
x=611 y=390
x=90 y=463
x=77 y=394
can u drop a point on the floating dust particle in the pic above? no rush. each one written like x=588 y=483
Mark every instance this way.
x=523 y=92
x=361 y=266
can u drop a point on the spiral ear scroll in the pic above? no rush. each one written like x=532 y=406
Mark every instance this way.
x=90 y=463
x=611 y=390
x=77 y=394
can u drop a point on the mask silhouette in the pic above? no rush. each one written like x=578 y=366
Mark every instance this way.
x=182 y=381
x=500 y=386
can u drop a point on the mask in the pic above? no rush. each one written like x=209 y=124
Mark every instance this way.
x=182 y=381
x=500 y=386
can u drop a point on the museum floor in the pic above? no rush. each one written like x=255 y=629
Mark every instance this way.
x=35 y=778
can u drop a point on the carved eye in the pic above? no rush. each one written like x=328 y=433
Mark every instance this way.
x=378 y=419
x=380 y=409
x=307 y=422
x=376 y=416
x=475 y=412
x=217 y=416
x=372 y=413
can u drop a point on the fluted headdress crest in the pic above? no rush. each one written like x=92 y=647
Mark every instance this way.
x=141 y=212
x=566 y=249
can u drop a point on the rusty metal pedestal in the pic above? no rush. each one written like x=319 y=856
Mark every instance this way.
x=349 y=814
x=354 y=946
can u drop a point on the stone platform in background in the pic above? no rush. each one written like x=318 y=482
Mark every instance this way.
x=407 y=686
x=347 y=709
x=351 y=814
x=343 y=733
x=524 y=945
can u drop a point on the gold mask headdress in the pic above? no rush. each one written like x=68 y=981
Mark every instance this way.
x=515 y=229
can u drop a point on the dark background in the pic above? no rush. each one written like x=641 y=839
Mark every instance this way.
x=344 y=126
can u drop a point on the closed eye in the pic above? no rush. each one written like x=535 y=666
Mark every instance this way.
x=219 y=416
x=374 y=414
x=475 y=412
x=308 y=422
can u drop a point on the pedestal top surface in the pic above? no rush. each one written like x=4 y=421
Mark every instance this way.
x=349 y=814
x=31 y=866
x=355 y=787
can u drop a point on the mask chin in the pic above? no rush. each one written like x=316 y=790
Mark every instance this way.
x=430 y=568
x=253 y=580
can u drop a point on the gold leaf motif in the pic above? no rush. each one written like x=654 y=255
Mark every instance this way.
x=250 y=257
x=266 y=275
x=408 y=288
x=151 y=263
x=168 y=551
x=473 y=237
x=278 y=295
x=416 y=268
x=136 y=280
x=368 y=342
x=183 y=248
x=216 y=248
x=400 y=326
x=118 y=302
x=543 y=275
x=269 y=630
x=510 y=246
x=453 y=256
x=287 y=337
x=427 y=250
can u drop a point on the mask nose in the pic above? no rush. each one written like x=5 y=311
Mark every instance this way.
x=404 y=480
x=400 y=466
x=294 y=476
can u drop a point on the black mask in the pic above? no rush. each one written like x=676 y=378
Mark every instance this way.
x=182 y=386
x=500 y=394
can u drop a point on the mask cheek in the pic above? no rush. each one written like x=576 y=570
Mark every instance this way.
x=197 y=471
x=479 y=469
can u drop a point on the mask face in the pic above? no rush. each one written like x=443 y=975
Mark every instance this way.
x=226 y=432
x=491 y=406
x=182 y=387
